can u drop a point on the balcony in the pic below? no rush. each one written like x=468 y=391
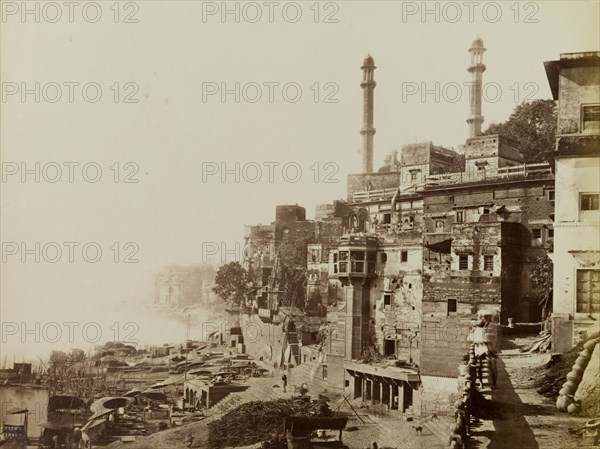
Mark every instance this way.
x=490 y=174
x=368 y=196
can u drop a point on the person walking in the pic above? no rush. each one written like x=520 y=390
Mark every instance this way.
x=484 y=348
x=284 y=381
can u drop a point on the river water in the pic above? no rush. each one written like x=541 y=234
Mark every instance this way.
x=33 y=399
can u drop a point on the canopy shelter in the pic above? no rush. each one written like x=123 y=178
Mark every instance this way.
x=105 y=406
x=154 y=396
x=133 y=393
x=301 y=426
x=62 y=421
x=64 y=402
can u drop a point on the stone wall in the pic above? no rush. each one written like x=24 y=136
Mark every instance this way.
x=374 y=181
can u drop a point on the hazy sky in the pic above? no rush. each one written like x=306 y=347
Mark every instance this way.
x=171 y=61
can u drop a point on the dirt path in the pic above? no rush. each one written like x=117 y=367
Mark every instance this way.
x=526 y=419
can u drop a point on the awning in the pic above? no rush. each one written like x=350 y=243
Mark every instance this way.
x=110 y=403
x=132 y=393
x=64 y=402
x=443 y=246
x=61 y=422
x=93 y=423
x=154 y=395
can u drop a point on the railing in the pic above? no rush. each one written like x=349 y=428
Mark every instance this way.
x=517 y=171
x=374 y=195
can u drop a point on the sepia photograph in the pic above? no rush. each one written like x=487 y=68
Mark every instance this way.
x=310 y=224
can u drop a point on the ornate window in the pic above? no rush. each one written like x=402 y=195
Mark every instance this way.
x=588 y=291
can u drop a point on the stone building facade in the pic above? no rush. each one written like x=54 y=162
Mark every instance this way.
x=434 y=237
x=575 y=82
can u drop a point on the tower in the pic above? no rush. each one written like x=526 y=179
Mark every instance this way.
x=367 y=131
x=476 y=70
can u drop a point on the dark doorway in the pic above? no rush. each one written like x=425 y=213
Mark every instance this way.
x=389 y=347
x=408 y=395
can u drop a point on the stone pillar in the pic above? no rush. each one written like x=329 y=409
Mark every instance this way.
x=401 y=388
x=476 y=70
x=358 y=387
x=368 y=85
x=385 y=393
x=376 y=391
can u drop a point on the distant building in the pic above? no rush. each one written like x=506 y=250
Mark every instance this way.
x=185 y=285
x=575 y=82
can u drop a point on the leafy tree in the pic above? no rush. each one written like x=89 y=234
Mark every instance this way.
x=293 y=271
x=533 y=125
x=541 y=280
x=232 y=283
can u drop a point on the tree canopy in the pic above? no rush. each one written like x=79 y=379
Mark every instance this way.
x=293 y=270
x=232 y=282
x=541 y=279
x=533 y=125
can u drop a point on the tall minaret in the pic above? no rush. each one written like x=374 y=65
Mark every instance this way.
x=476 y=70
x=367 y=131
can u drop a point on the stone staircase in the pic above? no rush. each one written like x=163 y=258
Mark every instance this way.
x=440 y=427
x=261 y=388
x=310 y=373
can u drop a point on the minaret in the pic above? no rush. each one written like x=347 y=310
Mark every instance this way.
x=367 y=131
x=476 y=70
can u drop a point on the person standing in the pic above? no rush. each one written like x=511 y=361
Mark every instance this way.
x=284 y=381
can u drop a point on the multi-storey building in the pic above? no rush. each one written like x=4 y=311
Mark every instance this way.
x=575 y=82
x=434 y=238
x=437 y=235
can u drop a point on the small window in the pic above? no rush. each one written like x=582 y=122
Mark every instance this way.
x=324 y=372
x=589 y=201
x=387 y=299
x=463 y=262
x=590 y=117
x=387 y=218
x=551 y=195
x=488 y=262
x=536 y=233
x=551 y=233
x=451 y=306
x=486 y=211
x=460 y=216
x=403 y=256
x=383 y=257
x=413 y=176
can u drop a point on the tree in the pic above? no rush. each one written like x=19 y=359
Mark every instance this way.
x=541 y=280
x=293 y=271
x=533 y=125
x=232 y=283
